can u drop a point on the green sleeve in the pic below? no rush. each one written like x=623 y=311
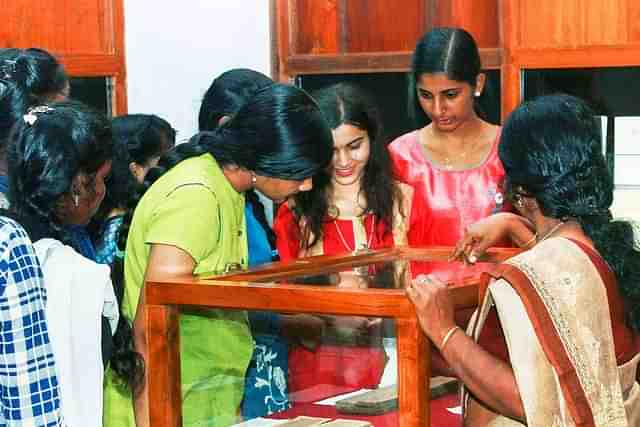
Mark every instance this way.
x=189 y=219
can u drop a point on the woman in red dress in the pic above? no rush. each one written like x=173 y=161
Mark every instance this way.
x=354 y=205
x=451 y=161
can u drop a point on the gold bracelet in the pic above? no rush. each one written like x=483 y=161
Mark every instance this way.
x=530 y=241
x=448 y=336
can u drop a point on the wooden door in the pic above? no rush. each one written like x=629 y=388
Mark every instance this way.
x=565 y=34
x=360 y=36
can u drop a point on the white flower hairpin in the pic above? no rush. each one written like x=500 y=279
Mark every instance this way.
x=31 y=117
x=7 y=69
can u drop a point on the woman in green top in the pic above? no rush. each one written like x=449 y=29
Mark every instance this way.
x=190 y=220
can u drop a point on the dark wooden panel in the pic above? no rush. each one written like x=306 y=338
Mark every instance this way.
x=414 y=364
x=479 y=17
x=315 y=26
x=383 y=25
x=573 y=23
x=369 y=62
x=633 y=17
x=86 y=35
x=163 y=343
x=566 y=34
x=69 y=26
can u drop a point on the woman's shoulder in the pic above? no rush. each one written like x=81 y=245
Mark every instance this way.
x=400 y=143
x=52 y=251
x=201 y=170
x=405 y=191
x=285 y=212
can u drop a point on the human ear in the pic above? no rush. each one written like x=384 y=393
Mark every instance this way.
x=223 y=120
x=480 y=82
x=137 y=171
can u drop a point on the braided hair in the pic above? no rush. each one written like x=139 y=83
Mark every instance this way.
x=35 y=72
x=551 y=147
x=28 y=77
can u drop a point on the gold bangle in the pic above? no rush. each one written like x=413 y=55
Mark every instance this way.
x=530 y=241
x=448 y=336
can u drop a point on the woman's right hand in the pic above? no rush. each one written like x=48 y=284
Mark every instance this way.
x=487 y=232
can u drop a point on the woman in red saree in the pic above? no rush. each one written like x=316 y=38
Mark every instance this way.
x=567 y=308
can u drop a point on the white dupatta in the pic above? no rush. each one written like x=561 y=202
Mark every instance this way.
x=79 y=293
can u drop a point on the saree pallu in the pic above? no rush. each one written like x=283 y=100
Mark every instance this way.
x=573 y=357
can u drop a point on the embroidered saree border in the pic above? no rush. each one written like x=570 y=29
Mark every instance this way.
x=550 y=341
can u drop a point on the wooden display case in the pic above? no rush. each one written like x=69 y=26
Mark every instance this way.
x=309 y=285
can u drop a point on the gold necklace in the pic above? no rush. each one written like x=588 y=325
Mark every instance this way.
x=449 y=161
x=553 y=230
x=344 y=241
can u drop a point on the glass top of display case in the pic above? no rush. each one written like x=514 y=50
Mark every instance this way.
x=381 y=269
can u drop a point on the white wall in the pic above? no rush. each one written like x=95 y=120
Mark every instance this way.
x=175 y=49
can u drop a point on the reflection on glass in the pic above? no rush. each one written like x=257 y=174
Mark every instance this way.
x=385 y=275
x=391 y=274
x=302 y=361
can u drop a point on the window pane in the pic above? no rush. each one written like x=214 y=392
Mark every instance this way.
x=93 y=91
x=609 y=92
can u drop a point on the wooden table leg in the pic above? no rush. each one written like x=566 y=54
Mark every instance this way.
x=414 y=371
x=163 y=366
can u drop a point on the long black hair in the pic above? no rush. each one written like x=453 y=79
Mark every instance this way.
x=47 y=150
x=28 y=77
x=451 y=51
x=45 y=155
x=35 y=71
x=551 y=147
x=344 y=103
x=227 y=93
x=281 y=134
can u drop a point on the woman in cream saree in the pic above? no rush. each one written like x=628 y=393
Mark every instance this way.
x=563 y=323
x=553 y=342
